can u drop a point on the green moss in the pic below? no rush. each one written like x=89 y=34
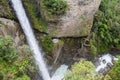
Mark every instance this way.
x=34 y=15
x=47 y=43
x=54 y=12
x=5 y=10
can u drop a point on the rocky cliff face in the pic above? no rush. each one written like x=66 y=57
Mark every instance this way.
x=77 y=22
x=11 y=28
x=6 y=10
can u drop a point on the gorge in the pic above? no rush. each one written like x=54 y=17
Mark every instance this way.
x=79 y=40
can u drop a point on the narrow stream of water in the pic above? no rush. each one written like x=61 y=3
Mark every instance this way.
x=25 y=24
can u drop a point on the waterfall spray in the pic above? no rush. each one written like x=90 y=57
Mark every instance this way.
x=25 y=24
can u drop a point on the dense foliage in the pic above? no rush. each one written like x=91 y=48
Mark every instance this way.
x=55 y=7
x=14 y=64
x=106 y=28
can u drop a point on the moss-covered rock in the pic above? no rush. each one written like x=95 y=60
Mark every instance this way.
x=76 y=22
x=33 y=13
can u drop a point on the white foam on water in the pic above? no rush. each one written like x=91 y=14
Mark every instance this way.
x=104 y=60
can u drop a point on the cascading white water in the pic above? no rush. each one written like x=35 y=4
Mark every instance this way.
x=25 y=24
x=104 y=60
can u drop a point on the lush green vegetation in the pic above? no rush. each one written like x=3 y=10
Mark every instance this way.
x=106 y=28
x=14 y=65
x=34 y=15
x=84 y=70
x=55 y=7
x=5 y=10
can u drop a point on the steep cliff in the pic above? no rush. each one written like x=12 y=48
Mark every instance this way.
x=75 y=22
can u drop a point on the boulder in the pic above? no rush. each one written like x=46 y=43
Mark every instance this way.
x=11 y=28
x=77 y=21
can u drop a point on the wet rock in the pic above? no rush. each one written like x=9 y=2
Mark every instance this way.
x=104 y=61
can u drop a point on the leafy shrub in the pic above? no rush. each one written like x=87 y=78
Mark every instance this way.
x=55 y=7
x=14 y=64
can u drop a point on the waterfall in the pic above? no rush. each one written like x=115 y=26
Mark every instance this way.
x=25 y=24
